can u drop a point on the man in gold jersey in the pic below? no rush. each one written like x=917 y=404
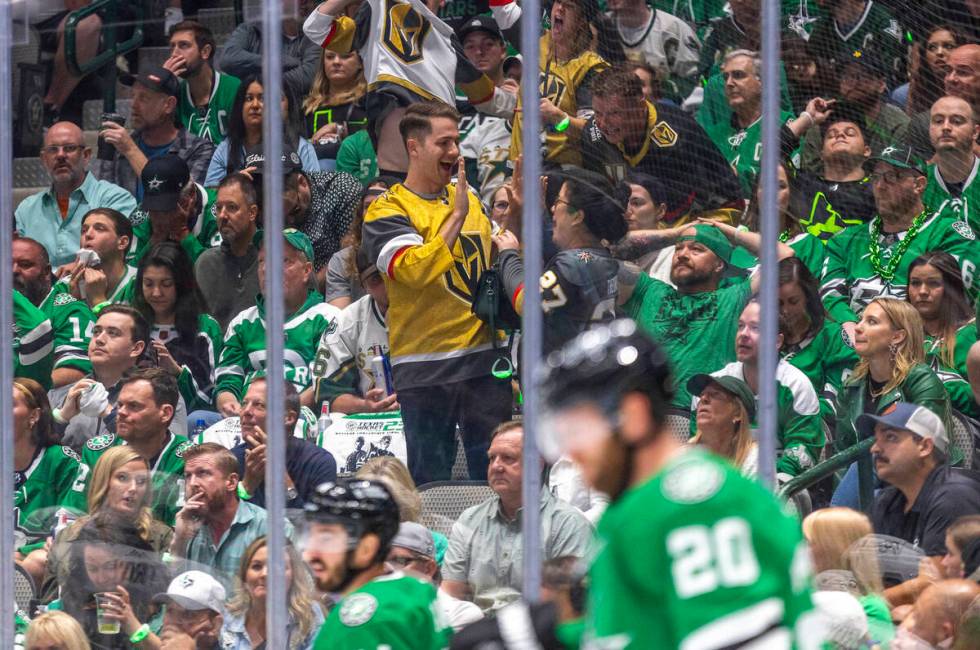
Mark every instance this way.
x=430 y=239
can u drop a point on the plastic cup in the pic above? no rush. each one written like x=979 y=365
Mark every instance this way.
x=105 y=625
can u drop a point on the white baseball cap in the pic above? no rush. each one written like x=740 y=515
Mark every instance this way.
x=194 y=590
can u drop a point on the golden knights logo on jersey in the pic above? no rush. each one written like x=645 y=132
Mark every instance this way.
x=552 y=87
x=461 y=279
x=404 y=31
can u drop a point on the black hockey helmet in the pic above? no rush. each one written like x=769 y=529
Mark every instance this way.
x=362 y=506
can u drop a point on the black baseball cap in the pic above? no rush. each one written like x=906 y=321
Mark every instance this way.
x=291 y=161
x=163 y=179
x=478 y=23
x=156 y=78
x=870 y=60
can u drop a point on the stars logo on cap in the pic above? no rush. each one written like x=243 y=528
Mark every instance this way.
x=154 y=184
x=887 y=151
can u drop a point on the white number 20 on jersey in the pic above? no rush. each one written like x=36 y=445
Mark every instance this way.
x=705 y=558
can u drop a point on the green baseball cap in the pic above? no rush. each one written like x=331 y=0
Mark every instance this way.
x=299 y=241
x=715 y=241
x=732 y=385
x=901 y=156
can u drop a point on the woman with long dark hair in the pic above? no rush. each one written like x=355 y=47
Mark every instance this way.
x=812 y=342
x=187 y=340
x=936 y=291
x=245 y=133
x=930 y=63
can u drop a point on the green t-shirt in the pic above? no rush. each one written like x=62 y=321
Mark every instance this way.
x=202 y=236
x=166 y=474
x=712 y=572
x=826 y=358
x=33 y=342
x=850 y=281
x=72 y=322
x=40 y=490
x=356 y=156
x=963 y=207
x=392 y=611
x=697 y=330
x=209 y=122
x=954 y=376
x=742 y=148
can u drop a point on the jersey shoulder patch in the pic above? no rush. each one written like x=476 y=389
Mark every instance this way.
x=692 y=481
x=664 y=135
x=64 y=299
x=182 y=448
x=71 y=453
x=357 y=609
x=98 y=443
x=963 y=229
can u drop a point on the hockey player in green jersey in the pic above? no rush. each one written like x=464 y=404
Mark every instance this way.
x=71 y=320
x=872 y=261
x=952 y=183
x=350 y=526
x=307 y=318
x=146 y=405
x=692 y=555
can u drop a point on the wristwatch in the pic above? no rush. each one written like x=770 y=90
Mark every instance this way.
x=291 y=492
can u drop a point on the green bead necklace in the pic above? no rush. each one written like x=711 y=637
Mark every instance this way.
x=887 y=272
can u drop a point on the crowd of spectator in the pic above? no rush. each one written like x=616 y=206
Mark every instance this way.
x=140 y=398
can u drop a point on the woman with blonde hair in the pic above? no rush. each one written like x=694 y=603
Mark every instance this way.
x=55 y=630
x=394 y=474
x=334 y=107
x=120 y=484
x=723 y=420
x=891 y=368
x=840 y=541
x=245 y=625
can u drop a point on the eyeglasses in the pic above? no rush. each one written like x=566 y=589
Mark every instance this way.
x=557 y=201
x=402 y=560
x=53 y=149
x=889 y=177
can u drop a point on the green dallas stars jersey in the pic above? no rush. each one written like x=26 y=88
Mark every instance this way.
x=713 y=573
x=33 y=342
x=392 y=611
x=850 y=282
x=42 y=488
x=826 y=358
x=203 y=234
x=954 y=376
x=244 y=353
x=965 y=206
x=875 y=30
x=72 y=322
x=197 y=396
x=811 y=251
x=211 y=121
x=742 y=148
x=166 y=475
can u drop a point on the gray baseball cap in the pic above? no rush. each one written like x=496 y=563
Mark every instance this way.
x=415 y=537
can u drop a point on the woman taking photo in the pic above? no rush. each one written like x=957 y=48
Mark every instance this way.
x=723 y=420
x=335 y=106
x=936 y=291
x=245 y=133
x=186 y=339
x=119 y=488
x=245 y=626
x=813 y=342
x=889 y=343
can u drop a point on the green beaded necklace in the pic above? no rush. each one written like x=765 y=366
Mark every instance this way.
x=887 y=272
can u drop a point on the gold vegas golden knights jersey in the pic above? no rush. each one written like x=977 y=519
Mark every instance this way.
x=434 y=338
x=568 y=85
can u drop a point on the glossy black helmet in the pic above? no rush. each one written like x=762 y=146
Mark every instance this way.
x=362 y=506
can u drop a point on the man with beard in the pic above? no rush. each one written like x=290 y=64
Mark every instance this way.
x=54 y=216
x=214 y=527
x=146 y=405
x=696 y=322
x=71 y=320
x=350 y=526
x=204 y=95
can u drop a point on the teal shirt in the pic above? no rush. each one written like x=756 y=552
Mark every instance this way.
x=39 y=217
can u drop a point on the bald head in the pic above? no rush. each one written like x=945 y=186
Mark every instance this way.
x=65 y=156
x=939 y=609
x=963 y=78
x=953 y=126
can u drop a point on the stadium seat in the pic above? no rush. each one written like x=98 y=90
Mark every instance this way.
x=24 y=593
x=964 y=437
x=679 y=424
x=444 y=501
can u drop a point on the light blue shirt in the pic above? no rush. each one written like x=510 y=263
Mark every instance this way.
x=235 y=637
x=222 y=560
x=218 y=168
x=39 y=217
